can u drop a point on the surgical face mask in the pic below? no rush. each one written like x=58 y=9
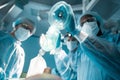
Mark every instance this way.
x=22 y=34
x=91 y=28
x=71 y=45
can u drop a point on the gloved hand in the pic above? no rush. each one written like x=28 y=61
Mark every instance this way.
x=2 y=74
x=90 y=28
x=81 y=37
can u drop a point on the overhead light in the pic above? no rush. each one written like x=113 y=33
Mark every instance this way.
x=4 y=5
x=14 y=11
x=77 y=7
x=88 y=4
x=91 y=4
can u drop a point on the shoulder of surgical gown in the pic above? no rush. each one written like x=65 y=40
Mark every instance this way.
x=104 y=52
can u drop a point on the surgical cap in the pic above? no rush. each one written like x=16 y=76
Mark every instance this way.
x=25 y=21
x=98 y=18
x=61 y=12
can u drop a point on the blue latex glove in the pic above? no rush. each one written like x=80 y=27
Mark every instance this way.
x=2 y=74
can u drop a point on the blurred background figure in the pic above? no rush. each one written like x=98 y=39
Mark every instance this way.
x=12 y=55
x=112 y=26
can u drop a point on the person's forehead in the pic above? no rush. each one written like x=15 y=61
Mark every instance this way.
x=86 y=16
x=27 y=25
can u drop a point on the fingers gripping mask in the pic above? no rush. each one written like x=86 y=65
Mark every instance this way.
x=22 y=34
x=91 y=28
x=71 y=45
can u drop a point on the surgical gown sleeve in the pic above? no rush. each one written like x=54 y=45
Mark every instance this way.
x=11 y=55
x=105 y=54
x=63 y=66
x=16 y=63
x=6 y=48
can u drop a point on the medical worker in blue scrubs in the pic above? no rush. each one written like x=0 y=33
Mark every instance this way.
x=12 y=55
x=100 y=51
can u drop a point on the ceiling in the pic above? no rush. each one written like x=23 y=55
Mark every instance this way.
x=37 y=10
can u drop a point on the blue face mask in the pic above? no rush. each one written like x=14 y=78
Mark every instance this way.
x=91 y=28
x=22 y=34
x=71 y=45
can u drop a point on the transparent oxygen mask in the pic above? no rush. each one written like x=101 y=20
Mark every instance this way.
x=60 y=14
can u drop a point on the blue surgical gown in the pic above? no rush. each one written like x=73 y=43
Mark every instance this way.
x=11 y=56
x=98 y=59
x=66 y=65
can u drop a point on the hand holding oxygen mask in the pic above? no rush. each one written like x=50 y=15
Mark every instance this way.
x=60 y=17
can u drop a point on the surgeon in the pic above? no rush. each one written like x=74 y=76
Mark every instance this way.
x=12 y=55
x=100 y=52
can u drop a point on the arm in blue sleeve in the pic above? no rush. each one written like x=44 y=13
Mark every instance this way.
x=64 y=68
x=104 y=54
x=2 y=74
